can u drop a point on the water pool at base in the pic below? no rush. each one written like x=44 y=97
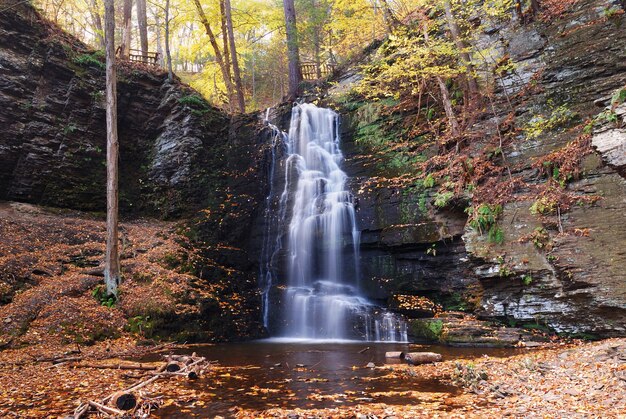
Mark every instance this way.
x=309 y=374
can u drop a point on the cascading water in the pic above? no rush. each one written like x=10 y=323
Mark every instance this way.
x=322 y=298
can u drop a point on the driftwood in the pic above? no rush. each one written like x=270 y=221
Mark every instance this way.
x=416 y=358
x=362 y=351
x=394 y=355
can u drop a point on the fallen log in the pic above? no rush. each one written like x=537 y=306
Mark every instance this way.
x=124 y=400
x=174 y=366
x=416 y=358
x=395 y=355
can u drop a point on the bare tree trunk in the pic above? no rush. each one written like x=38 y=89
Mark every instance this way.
x=462 y=47
x=112 y=260
x=96 y=18
x=316 y=47
x=390 y=19
x=216 y=49
x=127 y=21
x=453 y=123
x=235 y=61
x=159 y=46
x=295 y=72
x=231 y=99
x=534 y=5
x=168 y=54
x=447 y=106
x=142 y=22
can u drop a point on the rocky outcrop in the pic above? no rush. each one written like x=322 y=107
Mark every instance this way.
x=52 y=144
x=179 y=158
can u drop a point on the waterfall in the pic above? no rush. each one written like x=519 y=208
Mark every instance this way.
x=321 y=296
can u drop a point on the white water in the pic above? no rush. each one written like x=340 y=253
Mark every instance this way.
x=322 y=298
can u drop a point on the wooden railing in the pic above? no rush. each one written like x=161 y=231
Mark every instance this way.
x=151 y=58
x=135 y=55
x=310 y=70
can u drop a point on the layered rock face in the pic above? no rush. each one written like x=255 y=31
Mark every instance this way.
x=579 y=285
x=53 y=127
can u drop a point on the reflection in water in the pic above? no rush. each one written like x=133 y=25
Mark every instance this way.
x=266 y=374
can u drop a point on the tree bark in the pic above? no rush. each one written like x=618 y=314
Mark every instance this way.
x=416 y=358
x=445 y=94
x=142 y=22
x=159 y=42
x=226 y=49
x=472 y=84
x=390 y=19
x=127 y=21
x=216 y=49
x=534 y=5
x=293 y=53
x=168 y=54
x=96 y=18
x=234 y=60
x=112 y=260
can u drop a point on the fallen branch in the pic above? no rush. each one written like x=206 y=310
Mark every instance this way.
x=121 y=366
x=191 y=368
x=106 y=409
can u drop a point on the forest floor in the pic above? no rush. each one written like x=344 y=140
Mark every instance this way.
x=586 y=379
x=53 y=325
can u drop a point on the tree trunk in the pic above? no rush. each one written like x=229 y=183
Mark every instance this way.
x=216 y=49
x=472 y=84
x=112 y=259
x=416 y=358
x=534 y=5
x=390 y=19
x=445 y=94
x=159 y=46
x=316 y=47
x=231 y=99
x=142 y=22
x=519 y=11
x=127 y=28
x=293 y=54
x=96 y=18
x=235 y=61
x=168 y=54
x=447 y=106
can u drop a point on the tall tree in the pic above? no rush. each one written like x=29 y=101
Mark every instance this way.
x=142 y=22
x=535 y=7
x=463 y=49
x=168 y=54
x=216 y=49
x=233 y=57
x=453 y=123
x=127 y=27
x=96 y=18
x=293 y=53
x=112 y=260
x=226 y=49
